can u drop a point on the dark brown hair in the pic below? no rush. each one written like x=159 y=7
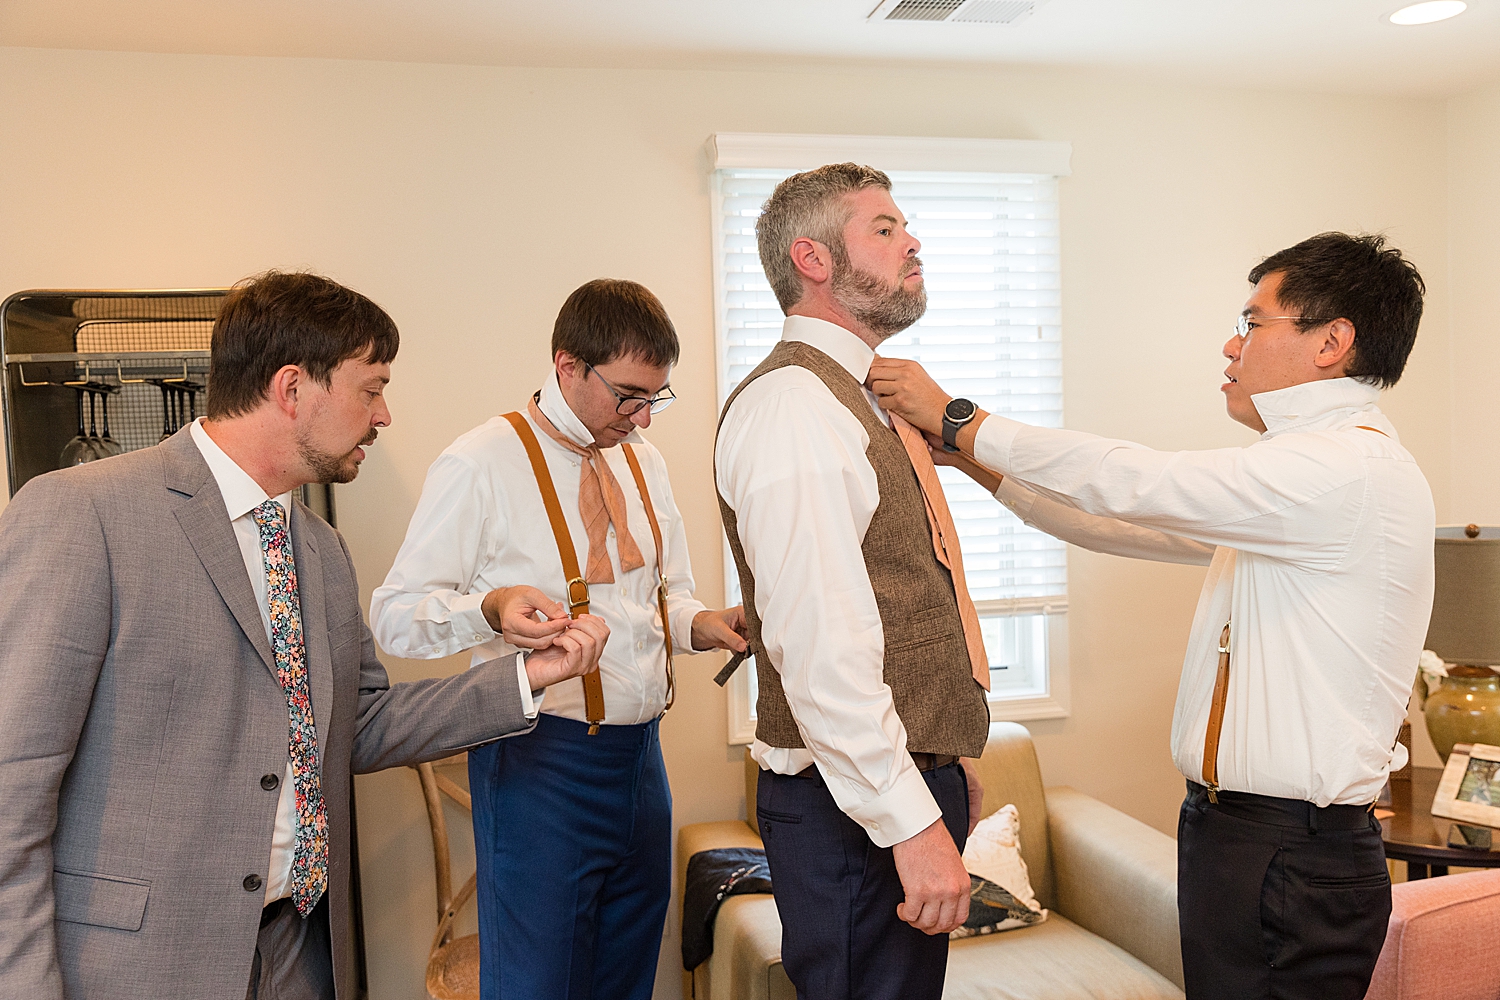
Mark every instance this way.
x=1358 y=278
x=276 y=319
x=609 y=318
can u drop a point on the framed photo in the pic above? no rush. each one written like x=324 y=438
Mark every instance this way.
x=1470 y=788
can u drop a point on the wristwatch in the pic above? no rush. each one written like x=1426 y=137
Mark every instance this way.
x=957 y=413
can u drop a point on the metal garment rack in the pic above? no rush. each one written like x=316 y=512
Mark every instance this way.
x=139 y=349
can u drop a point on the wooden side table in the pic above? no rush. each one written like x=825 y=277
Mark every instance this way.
x=1424 y=841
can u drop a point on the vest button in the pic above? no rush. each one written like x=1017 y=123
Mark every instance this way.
x=251 y=883
x=269 y=782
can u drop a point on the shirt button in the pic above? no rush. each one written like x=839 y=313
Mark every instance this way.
x=251 y=883
x=478 y=637
x=874 y=826
x=269 y=782
x=622 y=591
x=640 y=645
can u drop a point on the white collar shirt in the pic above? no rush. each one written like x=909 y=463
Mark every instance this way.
x=1319 y=539
x=242 y=495
x=790 y=462
x=480 y=524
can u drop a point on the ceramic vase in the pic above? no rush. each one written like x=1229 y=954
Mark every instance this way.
x=1465 y=708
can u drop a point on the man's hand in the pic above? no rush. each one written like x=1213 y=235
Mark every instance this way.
x=976 y=791
x=572 y=653
x=512 y=612
x=720 y=629
x=905 y=389
x=936 y=884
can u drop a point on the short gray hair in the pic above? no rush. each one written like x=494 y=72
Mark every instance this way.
x=808 y=205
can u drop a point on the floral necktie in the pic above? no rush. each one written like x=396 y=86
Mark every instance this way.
x=310 y=857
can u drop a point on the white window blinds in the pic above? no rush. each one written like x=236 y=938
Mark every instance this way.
x=992 y=333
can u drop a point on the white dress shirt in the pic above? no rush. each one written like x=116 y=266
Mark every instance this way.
x=481 y=524
x=242 y=495
x=1319 y=539
x=791 y=463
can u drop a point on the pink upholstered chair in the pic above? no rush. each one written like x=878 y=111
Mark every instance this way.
x=1441 y=940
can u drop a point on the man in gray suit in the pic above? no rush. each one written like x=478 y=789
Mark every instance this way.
x=187 y=684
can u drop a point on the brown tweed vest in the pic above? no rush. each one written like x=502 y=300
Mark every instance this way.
x=926 y=661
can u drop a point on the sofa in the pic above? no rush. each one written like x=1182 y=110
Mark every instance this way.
x=1440 y=943
x=1109 y=881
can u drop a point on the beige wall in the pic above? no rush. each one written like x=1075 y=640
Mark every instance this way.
x=469 y=201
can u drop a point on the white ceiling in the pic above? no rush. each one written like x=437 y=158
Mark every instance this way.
x=1336 y=45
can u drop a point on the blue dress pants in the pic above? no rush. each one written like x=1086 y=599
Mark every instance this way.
x=573 y=843
x=837 y=893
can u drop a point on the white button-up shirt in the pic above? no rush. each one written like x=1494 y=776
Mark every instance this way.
x=481 y=524
x=242 y=495
x=791 y=463
x=1319 y=539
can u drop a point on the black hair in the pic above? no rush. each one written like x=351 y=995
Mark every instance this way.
x=1358 y=278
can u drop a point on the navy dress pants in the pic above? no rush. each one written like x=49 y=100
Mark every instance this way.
x=573 y=845
x=1278 y=899
x=837 y=893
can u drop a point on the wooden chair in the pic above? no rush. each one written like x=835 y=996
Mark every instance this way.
x=452 y=963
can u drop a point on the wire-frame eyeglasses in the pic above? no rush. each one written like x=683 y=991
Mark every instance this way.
x=629 y=406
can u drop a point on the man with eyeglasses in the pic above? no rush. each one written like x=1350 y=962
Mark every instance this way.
x=572 y=821
x=1304 y=647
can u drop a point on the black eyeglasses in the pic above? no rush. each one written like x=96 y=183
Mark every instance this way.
x=629 y=406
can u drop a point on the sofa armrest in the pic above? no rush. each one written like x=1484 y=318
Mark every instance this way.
x=1117 y=877
x=697 y=837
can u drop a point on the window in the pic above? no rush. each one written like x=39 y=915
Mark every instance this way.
x=986 y=212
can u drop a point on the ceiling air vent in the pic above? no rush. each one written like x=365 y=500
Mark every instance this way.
x=971 y=11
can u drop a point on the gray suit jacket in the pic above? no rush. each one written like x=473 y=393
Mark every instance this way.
x=139 y=711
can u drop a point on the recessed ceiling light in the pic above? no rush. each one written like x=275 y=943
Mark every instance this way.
x=1426 y=13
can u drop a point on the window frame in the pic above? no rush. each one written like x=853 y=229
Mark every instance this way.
x=767 y=151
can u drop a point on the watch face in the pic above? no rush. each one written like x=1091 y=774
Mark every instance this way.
x=959 y=409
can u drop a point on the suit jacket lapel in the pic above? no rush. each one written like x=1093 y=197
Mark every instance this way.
x=314 y=619
x=206 y=523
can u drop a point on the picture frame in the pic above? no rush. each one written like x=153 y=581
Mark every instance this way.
x=1470 y=787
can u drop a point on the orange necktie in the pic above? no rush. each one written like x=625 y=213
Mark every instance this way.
x=601 y=503
x=945 y=543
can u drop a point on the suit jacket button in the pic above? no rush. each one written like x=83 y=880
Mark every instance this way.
x=251 y=883
x=269 y=781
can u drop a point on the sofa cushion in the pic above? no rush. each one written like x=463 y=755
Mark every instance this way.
x=1051 y=961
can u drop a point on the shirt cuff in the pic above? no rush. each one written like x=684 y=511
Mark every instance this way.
x=1015 y=498
x=529 y=701
x=993 y=441
x=899 y=814
x=466 y=617
x=682 y=626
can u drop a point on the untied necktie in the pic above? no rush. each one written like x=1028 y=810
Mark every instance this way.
x=945 y=543
x=601 y=503
x=310 y=856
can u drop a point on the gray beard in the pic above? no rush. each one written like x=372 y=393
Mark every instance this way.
x=885 y=310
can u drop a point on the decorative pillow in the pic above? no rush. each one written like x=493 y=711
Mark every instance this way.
x=1000 y=895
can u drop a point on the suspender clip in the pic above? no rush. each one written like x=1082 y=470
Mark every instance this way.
x=1213 y=793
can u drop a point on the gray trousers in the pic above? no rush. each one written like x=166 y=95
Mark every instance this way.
x=293 y=957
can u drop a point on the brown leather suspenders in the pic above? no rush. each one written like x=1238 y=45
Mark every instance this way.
x=661 y=572
x=577 y=587
x=1216 y=720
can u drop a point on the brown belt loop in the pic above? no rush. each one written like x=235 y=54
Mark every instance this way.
x=1216 y=720
x=577 y=587
x=661 y=569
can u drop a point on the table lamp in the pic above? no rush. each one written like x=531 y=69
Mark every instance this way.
x=1465 y=632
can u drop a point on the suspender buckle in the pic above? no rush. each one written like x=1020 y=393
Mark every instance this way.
x=1213 y=793
x=578 y=596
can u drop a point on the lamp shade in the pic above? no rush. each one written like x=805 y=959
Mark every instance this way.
x=1465 y=626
